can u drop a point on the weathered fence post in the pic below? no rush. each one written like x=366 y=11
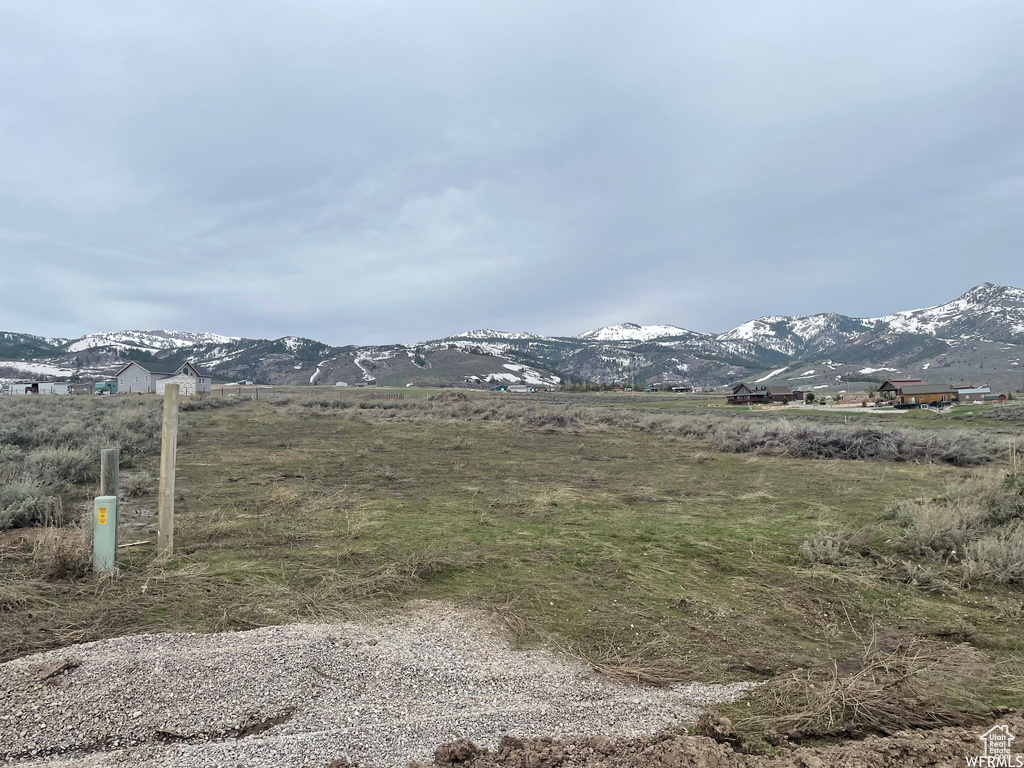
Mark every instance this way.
x=168 y=462
x=110 y=478
x=110 y=472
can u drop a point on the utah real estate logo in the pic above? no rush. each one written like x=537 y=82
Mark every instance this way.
x=998 y=749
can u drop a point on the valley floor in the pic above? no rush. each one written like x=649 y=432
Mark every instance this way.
x=607 y=534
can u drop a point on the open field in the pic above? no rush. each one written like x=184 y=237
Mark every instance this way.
x=656 y=546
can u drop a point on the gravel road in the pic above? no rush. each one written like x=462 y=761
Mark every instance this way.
x=380 y=693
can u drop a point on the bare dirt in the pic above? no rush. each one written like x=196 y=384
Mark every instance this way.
x=941 y=748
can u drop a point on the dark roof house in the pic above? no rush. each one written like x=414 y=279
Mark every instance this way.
x=750 y=394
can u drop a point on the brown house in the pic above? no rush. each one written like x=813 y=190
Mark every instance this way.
x=972 y=394
x=751 y=394
x=890 y=389
x=918 y=395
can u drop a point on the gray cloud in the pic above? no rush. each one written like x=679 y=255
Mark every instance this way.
x=366 y=172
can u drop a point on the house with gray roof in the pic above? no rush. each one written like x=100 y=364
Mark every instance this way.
x=135 y=377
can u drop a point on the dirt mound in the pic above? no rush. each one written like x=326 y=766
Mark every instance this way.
x=380 y=692
x=942 y=747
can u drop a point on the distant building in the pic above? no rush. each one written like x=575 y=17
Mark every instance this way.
x=186 y=384
x=751 y=394
x=890 y=388
x=918 y=395
x=972 y=394
x=135 y=377
x=994 y=398
x=39 y=388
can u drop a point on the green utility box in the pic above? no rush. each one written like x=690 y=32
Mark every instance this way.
x=104 y=533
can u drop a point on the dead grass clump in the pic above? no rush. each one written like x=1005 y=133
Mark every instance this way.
x=888 y=689
x=653 y=661
x=62 y=554
x=18 y=593
x=391 y=578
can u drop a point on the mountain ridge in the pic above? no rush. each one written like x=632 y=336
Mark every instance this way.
x=982 y=327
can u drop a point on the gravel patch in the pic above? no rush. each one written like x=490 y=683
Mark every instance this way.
x=381 y=693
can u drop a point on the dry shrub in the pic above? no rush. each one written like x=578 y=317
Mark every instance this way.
x=975 y=527
x=912 y=685
x=997 y=556
x=449 y=396
x=48 y=445
x=139 y=484
x=972 y=531
x=754 y=433
x=826 y=548
x=62 y=553
x=25 y=502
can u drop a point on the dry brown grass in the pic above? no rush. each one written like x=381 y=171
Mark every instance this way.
x=891 y=687
x=62 y=553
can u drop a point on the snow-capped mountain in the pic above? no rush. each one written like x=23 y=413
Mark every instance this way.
x=633 y=332
x=146 y=340
x=487 y=333
x=798 y=335
x=977 y=337
x=987 y=311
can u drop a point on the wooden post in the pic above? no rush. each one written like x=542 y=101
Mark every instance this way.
x=110 y=477
x=110 y=472
x=168 y=461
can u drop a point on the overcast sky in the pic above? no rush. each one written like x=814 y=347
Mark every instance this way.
x=377 y=171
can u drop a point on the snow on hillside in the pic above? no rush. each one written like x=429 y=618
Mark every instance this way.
x=528 y=375
x=37 y=369
x=770 y=375
x=632 y=332
x=147 y=340
x=1002 y=303
x=487 y=333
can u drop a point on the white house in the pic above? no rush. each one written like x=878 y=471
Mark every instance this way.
x=186 y=384
x=135 y=377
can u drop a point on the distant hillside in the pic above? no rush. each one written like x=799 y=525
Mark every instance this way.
x=975 y=338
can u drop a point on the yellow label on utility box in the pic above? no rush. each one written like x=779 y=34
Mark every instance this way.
x=101 y=514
